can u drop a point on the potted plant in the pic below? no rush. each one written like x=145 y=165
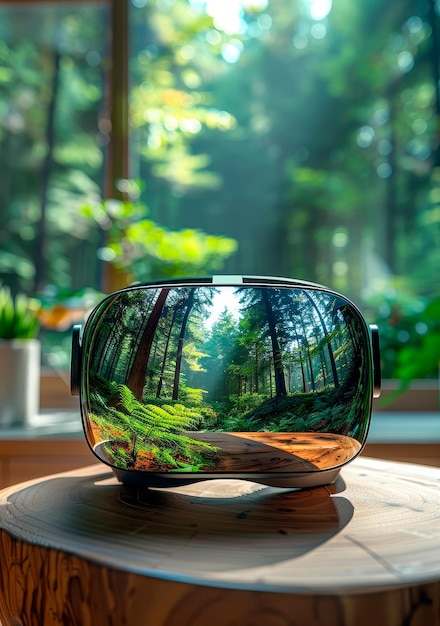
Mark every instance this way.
x=19 y=358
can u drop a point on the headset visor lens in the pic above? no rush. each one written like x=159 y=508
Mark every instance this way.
x=226 y=379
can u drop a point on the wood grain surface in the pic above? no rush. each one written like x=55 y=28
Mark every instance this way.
x=78 y=549
x=275 y=452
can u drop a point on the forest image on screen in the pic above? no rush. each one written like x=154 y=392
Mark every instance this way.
x=227 y=379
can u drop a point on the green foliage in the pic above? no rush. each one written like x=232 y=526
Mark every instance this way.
x=409 y=335
x=49 y=170
x=422 y=359
x=143 y=249
x=329 y=410
x=237 y=410
x=170 y=105
x=18 y=316
x=136 y=430
x=193 y=397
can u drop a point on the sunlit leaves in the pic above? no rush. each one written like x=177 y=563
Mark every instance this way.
x=139 y=430
x=168 y=104
x=185 y=170
x=81 y=152
x=145 y=249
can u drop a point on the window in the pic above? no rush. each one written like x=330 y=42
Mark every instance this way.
x=276 y=137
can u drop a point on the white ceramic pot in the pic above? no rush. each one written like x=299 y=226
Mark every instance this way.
x=19 y=381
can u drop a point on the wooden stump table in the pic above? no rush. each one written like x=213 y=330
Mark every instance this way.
x=79 y=549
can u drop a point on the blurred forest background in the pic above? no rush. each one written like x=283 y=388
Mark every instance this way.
x=295 y=138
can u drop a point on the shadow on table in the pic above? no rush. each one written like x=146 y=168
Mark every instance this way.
x=156 y=531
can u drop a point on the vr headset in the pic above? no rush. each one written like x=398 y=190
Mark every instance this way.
x=264 y=379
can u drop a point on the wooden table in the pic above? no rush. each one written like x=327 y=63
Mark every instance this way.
x=79 y=549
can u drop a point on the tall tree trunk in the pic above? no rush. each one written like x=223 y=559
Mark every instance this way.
x=280 y=382
x=303 y=374
x=165 y=354
x=41 y=238
x=257 y=386
x=307 y=357
x=136 y=379
x=180 y=346
x=102 y=339
x=135 y=341
x=325 y=331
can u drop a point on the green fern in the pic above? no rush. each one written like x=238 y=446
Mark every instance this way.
x=133 y=429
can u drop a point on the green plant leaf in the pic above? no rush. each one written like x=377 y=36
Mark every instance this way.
x=18 y=316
